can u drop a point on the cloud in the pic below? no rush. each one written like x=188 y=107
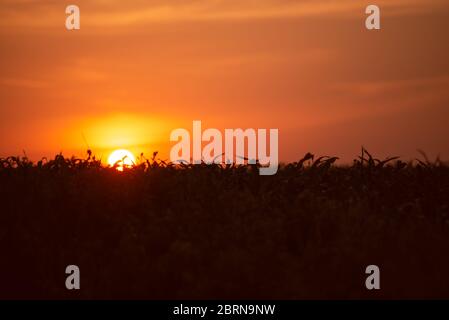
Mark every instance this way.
x=119 y=13
x=23 y=83
x=409 y=85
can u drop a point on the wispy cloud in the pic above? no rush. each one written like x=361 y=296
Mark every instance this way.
x=23 y=83
x=410 y=85
x=119 y=13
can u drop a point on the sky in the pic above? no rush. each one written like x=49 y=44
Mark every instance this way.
x=138 y=69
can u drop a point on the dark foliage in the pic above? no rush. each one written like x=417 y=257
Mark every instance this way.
x=161 y=231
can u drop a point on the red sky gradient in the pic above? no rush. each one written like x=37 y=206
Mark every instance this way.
x=138 y=69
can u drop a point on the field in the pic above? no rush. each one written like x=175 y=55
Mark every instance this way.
x=160 y=231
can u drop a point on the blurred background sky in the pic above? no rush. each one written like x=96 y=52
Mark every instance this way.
x=138 y=69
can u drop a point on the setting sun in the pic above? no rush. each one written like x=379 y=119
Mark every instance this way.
x=123 y=158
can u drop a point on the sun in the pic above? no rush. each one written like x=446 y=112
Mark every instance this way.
x=123 y=158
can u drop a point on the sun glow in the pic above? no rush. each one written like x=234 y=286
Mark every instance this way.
x=123 y=158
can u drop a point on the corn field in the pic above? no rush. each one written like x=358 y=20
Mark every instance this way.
x=164 y=231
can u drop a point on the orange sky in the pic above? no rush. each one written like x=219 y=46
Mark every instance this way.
x=138 y=69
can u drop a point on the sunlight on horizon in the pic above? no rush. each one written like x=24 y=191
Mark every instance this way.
x=122 y=158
